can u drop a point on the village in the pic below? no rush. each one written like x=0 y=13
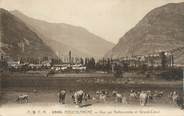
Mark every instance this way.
x=158 y=61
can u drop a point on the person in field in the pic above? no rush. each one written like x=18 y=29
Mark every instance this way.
x=143 y=98
x=61 y=96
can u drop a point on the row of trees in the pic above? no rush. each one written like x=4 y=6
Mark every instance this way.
x=3 y=65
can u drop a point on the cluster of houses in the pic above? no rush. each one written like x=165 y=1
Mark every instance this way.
x=161 y=59
x=68 y=68
x=17 y=65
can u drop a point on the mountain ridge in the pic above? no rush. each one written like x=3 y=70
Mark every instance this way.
x=71 y=36
x=160 y=29
x=17 y=40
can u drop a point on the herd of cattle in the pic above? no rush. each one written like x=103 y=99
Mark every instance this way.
x=144 y=97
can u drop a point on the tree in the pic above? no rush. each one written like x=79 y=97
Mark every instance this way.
x=3 y=65
x=92 y=63
x=81 y=61
x=86 y=61
x=163 y=60
x=108 y=65
x=118 y=71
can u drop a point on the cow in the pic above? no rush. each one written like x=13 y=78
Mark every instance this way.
x=177 y=99
x=101 y=95
x=98 y=92
x=86 y=96
x=158 y=94
x=114 y=93
x=22 y=98
x=105 y=92
x=61 y=96
x=78 y=97
x=120 y=98
x=133 y=95
x=150 y=96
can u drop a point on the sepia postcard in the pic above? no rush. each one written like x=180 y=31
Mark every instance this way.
x=91 y=57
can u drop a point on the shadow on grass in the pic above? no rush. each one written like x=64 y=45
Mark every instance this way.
x=85 y=105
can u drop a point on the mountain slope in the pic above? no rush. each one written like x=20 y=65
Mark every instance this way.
x=160 y=29
x=72 y=37
x=18 y=40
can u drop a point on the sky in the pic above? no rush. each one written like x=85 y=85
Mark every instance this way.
x=109 y=19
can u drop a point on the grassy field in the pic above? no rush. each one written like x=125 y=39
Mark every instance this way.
x=47 y=88
x=45 y=102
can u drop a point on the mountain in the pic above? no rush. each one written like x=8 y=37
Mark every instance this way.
x=77 y=39
x=16 y=39
x=161 y=29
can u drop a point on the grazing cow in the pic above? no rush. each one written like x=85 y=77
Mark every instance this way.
x=98 y=92
x=86 y=97
x=158 y=94
x=120 y=98
x=150 y=96
x=22 y=98
x=133 y=95
x=176 y=99
x=102 y=97
x=114 y=93
x=105 y=92
x=143 y=98
x=61 y=96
